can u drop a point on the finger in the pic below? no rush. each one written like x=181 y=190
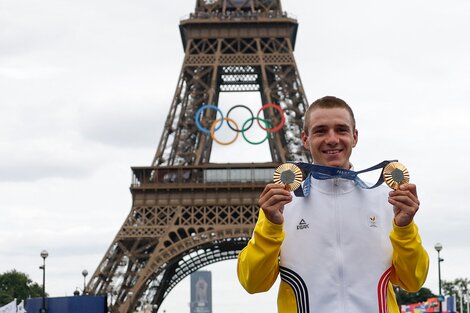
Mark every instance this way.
x=411 y=188
x=270 y=187
x=406 y=207
x=407 y=199
x=275 y=189
x=405 y=192
x=273 y=199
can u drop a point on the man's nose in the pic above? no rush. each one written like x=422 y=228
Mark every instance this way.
x=332 y=138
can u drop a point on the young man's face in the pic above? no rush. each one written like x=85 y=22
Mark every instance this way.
x=330 y=137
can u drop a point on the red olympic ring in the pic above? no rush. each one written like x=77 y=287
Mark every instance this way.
x=281 y=123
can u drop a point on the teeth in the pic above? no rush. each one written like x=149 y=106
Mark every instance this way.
x=332 y=151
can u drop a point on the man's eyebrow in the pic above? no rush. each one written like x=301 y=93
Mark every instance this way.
x=335 y=125
x=319 y=126
x=343 y=125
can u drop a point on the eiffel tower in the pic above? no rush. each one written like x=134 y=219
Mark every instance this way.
x=188 y=212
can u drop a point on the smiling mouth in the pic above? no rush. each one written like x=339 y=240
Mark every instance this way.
x=332 y=151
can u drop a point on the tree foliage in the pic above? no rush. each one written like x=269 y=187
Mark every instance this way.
x=404 y=297
x=457 y=287
x=17 y=285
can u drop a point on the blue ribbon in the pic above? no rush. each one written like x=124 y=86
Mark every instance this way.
x=322 y=172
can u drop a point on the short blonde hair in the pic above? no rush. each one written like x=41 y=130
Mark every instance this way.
x=327 y=102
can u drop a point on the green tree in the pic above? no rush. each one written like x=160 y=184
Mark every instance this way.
x=457 y=287
x=404 y=297
x=17 y=285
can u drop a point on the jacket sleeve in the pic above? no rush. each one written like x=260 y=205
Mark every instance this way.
x=410 y=260
x=258 y=262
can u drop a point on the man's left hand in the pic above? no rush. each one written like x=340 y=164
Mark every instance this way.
x=405 y=204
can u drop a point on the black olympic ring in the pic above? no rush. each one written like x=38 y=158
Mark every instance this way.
x=240 y=106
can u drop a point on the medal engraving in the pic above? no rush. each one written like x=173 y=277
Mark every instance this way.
x=288 y=174
x=396 y=174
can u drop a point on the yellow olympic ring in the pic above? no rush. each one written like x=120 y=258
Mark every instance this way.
x=213 y=130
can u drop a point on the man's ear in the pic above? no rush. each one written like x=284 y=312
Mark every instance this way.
x=304 y=139
x=355 y=137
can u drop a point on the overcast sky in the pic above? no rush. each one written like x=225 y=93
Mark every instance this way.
x=86 y=85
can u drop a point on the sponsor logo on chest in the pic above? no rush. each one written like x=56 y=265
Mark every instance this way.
x=302 y=225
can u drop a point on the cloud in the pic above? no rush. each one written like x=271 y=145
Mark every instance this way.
x=34 y=160
x=136 y=122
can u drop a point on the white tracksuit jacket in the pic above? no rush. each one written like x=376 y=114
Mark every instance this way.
x=339 y=252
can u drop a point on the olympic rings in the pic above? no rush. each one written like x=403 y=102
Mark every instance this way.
x=244 y=129
x=240 y=106
x=199 y=113
x=213 y=130
x=281 y=123
x=198 y=118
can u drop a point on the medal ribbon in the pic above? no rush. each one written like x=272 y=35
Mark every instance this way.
x=322 y=172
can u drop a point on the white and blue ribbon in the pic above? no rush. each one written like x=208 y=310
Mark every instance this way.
x=322 y=172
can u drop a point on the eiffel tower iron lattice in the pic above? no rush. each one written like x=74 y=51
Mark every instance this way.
x=187 y=212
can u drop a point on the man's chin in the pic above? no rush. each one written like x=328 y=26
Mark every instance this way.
x=335 y=164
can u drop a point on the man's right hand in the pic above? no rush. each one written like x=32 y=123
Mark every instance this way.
x=272 y=201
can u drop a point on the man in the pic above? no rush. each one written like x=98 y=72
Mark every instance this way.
x=340 y=249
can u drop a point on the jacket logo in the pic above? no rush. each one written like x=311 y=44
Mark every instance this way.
x=372 y=221
x=302 y=225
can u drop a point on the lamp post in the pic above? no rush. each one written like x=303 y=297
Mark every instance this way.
x=84 y=273
x=438 y=247
x=461 y=298
x=468 y=302
x=44 y=255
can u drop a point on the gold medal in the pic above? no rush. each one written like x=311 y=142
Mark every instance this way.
x=396 y=174
x=288 y=174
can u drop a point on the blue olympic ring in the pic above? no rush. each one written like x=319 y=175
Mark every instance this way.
x=197 y=117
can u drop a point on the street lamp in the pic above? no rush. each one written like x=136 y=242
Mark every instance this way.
x=84 y=273
x=44 y=255
x=461 y=298
x=438 y=247
x=468 y=302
